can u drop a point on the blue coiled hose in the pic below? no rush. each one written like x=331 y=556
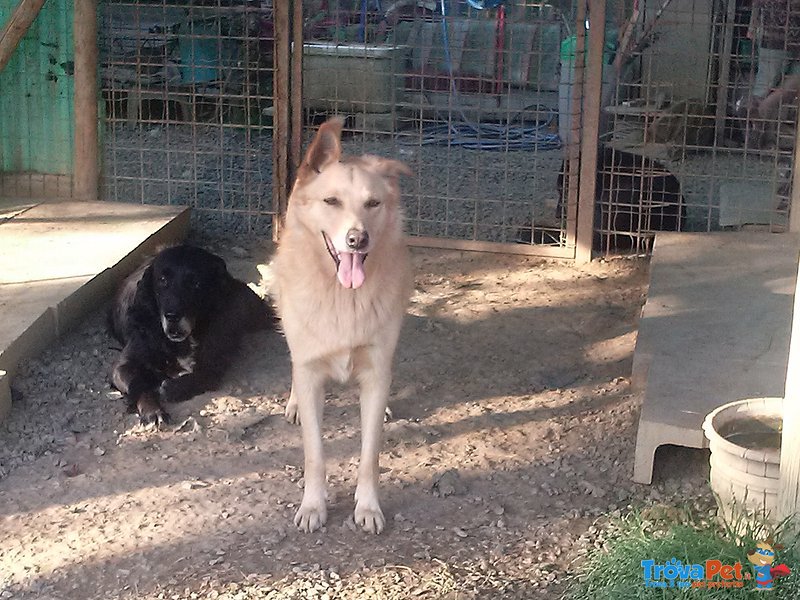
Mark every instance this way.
x=484 y=136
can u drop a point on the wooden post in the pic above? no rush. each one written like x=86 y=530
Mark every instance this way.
x=14 y=30
x=789 y=484
x=280 y=120
x=590 y=130
x=296 y=133
x=86 y=163
x=572 y=156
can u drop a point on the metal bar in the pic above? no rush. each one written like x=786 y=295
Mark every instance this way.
x=281 y=123
x=17 y=26
x=590 y=131
x=496 y=247
x=86 y=146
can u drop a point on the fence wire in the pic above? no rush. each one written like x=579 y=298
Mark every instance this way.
x=187 y=90
x=698 y=120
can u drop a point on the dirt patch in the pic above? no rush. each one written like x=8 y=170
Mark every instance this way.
x=513 y=432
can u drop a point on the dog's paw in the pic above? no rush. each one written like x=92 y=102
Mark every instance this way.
x=311 y=516
x=290 y=412
x=150 y=411
x=369 y=516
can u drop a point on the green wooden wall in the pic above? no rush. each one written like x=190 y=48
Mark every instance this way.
x=36 y=90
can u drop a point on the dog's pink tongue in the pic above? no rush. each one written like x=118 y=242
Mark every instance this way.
x=351 y=270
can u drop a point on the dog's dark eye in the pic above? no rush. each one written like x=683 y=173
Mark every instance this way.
x=162 y=281
x=372 y=203
x=332 y=201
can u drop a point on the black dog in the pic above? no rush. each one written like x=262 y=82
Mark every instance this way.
x=180 y=318
x=634 y=195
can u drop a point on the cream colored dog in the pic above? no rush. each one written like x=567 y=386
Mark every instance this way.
x=342 y=280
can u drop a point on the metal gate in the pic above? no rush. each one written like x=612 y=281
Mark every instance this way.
x=527 y=131
x=187 y=91
x=470 y=99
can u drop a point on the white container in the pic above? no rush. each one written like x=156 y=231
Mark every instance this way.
x=744 y=478
x=352 y=77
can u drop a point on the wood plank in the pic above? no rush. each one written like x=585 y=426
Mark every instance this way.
x=572 y=153
x=496 y=247
x=281 y=124
x=17 y=26
x=590 y=132
x=296 y=85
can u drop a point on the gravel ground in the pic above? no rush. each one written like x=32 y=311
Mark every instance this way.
x=512 y=442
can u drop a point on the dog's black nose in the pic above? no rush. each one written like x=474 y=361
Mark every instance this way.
x=357 y=239
x=172 y=317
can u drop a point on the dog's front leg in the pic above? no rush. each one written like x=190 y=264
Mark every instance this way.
x=375 y=381
x=309 y=393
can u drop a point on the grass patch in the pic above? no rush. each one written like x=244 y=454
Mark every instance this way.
x=615 y=572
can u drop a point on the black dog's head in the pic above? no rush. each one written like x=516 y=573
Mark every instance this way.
x=185 y=284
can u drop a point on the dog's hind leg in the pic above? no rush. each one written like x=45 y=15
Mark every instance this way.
x=309 y=392
x=375 y=380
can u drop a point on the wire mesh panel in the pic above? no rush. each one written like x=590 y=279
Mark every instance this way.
x=187 y=90
x=467 y=94
x=701 y=110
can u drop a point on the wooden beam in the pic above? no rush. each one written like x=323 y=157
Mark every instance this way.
x=590 y=131
x=280 y=119
x=17 y=26
x=541 y=250
x=86 y=163
x=296 y=84
x=572 y=155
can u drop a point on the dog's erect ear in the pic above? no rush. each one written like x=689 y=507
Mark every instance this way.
x=386 y=167
x=325 y=148
x=393 y=168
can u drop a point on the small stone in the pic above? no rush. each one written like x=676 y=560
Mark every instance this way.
x=99 y=451
x=448 y=483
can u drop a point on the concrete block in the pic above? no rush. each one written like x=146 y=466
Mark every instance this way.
x=715 y=328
